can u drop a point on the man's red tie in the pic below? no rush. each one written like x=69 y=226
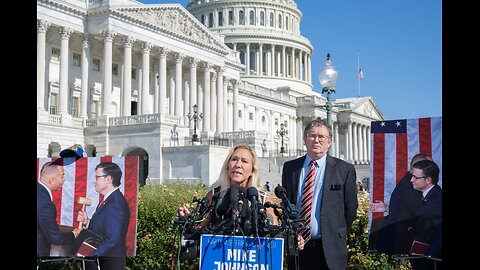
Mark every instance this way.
x=307 y=197
x=100 y=202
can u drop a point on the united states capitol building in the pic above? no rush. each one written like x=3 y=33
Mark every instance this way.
x=122 y=78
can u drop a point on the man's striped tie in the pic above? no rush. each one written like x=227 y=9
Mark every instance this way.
x=307 y=197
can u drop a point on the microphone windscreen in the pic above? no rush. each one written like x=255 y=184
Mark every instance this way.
x=269 y=204
x=234 y=194
x=252 y=191
x=280 y=192
x=242 y=193
x=224 y=204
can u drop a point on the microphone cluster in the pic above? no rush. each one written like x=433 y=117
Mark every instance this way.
x=239 y=212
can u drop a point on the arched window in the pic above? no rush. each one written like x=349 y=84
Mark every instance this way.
x=286 y=23
x=210 y=20
x=279 y=20
x=241 y=17
x=230 y=17
x=262 y=18
x=220 y=18
x=271 y=19
x=252 y=17
x=202 y=19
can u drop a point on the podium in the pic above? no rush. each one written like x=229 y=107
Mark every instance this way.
x=86 y=243
x=240 y=252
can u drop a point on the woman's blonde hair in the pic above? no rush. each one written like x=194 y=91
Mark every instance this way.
x=253 y=180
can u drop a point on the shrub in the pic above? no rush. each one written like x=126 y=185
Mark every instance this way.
x=157 y=244
x=157 y=206
x=359 y=257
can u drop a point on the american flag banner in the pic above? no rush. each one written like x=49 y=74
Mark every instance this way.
x=394 y=143
x=360 y=73
x=79 y=182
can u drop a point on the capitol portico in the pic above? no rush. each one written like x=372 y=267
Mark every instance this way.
x=119 y=78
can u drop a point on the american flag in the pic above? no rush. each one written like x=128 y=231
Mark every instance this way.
x=394 y=143
x=79 y=182
x=360 y=73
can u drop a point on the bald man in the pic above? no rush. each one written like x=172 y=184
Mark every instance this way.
x=48 y=231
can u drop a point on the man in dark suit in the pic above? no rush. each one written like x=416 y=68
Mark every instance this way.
x=428 y=226
x=396 y=236
x=52 y=177
x=333 y=204
x=110 y=220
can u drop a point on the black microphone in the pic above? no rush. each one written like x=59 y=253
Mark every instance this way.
x=264 y=216
x=252 y=194
x=234 y=202
x=242 y=194
x=291 y=209
x=224 y=205
x=271 y=205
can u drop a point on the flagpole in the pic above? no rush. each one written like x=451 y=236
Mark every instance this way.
x=358 y=71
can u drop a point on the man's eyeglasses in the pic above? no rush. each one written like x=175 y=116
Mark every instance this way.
x=313 y=137
x=98 y=176
x=418 y=177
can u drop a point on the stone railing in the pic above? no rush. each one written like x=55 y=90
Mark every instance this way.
x=137 y=120
x=239 y=134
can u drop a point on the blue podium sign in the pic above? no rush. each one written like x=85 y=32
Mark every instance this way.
x=227 y=252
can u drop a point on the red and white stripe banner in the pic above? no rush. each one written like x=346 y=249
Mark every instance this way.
x=394 y=143
x=79 y=182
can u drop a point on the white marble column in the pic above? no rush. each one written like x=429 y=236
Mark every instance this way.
x=235 y=104
x=206 y=97
x=337 y=141
x=299 y=131
x=260 y=65
x=85 y=68
x=365 y=142
x=186 y=98
x=247 y=58
x=309 y=69
x=42 y=27
x=213 y=101
x=162 y=80
x=284 y=62
x=349 y=143
x=220 y=110
x=292 y=63
x=127 y=76
x=193 y=83
x=178 y=84
x=226 y=108
x=355 y=142
x=200 y=92
x=301 y=56
x=279 y=62
x=360 y=143
x=272 y=61
x=171 y=86
x=369 y=149
x=108 y=36
x=268 y=68
x=146 y=48
x=65 y=33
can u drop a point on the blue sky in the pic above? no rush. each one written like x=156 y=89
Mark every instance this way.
x=399 y=44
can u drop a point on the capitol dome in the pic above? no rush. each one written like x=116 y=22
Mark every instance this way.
x=267 y=31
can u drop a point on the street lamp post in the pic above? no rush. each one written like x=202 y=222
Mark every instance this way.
x=282 y=132
x=195 y=117
x=328 y=77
